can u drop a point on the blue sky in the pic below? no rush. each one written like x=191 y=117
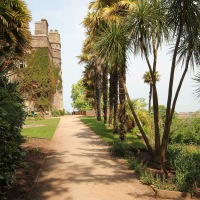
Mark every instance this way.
x=66 y=17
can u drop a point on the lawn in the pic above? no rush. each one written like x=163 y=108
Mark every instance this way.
x=40 y=128
x=106 y=132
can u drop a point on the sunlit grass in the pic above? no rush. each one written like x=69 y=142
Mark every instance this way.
x=46 y=130
x=106 y=132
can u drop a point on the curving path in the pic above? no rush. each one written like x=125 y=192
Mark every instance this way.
x=80 y=168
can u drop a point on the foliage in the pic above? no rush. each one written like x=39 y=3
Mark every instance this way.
x=14 y=23
x=78 y=97
x=118 y=149
x=57 y=113
x=40 y=128
x=185 y=131
x=33 y=85
x=135 y=164
x=148 y=24
x=12 y=116
x=186 y=161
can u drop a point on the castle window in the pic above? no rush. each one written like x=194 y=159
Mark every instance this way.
x=22 y=64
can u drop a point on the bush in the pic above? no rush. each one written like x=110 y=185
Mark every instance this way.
x=185 y=131
x=186 y=161
x=118 y=149
x=12 y=116
x=136 y=165
x=57 y=113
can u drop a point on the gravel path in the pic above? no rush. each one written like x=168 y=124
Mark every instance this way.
x=80 y=168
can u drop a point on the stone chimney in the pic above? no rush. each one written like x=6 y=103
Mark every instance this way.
x=41 y=28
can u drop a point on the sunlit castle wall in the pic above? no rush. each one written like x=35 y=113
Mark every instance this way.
x=54 y=38
x=51 y=40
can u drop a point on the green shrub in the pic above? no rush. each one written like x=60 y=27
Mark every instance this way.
x=118 y=149
x=55 y=113
x=12 y=116
x=136 y=165
x=147 y=178
x=186 y=161
x=185 y=131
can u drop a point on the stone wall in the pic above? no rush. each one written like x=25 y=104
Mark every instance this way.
x=50 y=40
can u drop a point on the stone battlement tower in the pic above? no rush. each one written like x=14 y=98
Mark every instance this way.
x=43 y=38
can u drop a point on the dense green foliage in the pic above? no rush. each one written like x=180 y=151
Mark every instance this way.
x=186 y=161
x=79 y=101
x=185 y=131
x=12 y=116
x=39 y=79
x=40 y=128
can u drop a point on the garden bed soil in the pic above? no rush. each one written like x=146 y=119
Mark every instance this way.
x=25 y=176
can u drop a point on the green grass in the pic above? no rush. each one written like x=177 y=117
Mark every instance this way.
x=46 y=131
x=106 y=132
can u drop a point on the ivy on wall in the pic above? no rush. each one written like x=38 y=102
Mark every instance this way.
x=39 y=79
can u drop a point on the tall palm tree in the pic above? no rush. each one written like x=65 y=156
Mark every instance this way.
x=112 y=44
x=184 y=19
x=92 y=22
x=147 y=79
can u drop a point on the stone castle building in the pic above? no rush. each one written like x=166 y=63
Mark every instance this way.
x=43 y=38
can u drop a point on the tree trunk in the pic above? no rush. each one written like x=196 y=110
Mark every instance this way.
x=98 y=92
x=146 y=140
x=122 y=100
x=111 y=98
x=150 y=95
x=115 y=97
x=105 y=93
x=168 y=120
x=163 y=152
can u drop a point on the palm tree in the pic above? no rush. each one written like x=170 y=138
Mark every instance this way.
x=147 y=79
x=183 y=18
x=147 y=29
x=112 y=44
x=14 y=27
x=93 y=20
x=197 y=81
x=151 y=22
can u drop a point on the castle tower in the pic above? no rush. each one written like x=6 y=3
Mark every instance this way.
x=50 y=40
x=41 y=28
x=54 y=39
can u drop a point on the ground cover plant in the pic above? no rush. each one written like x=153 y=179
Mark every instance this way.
x=44 y=128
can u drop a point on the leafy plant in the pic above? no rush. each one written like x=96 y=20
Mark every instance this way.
x=12 y=116
x=185 y=131
x=118 y=149
x=136 y=165
x=186 y=161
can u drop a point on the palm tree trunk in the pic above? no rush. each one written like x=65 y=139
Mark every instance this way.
x=122 y=100
x=150 y=95
x=111 y=98
x=146 y=140
x=98 y=92
x=105 y=93
x=165 y=138
x=115 y=98
x=168 y=119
